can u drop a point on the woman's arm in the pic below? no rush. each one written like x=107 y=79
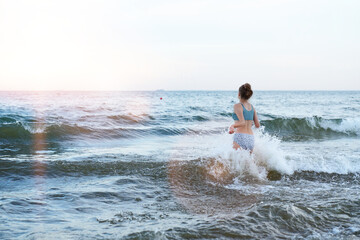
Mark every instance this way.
x=238 y=110
x=231 y=129
x=256 y=120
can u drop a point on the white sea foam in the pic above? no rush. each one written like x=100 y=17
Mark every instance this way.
x=333 y=156
x=347 y=125
x=267 y=156
x=284 y=157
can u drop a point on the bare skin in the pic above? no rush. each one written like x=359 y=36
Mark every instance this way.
x=242 y=125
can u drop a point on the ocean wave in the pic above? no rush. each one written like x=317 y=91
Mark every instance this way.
x=16 y=130
x=59 y=168
x=214 y=160
x=14 y=127
x=217 y=170
x=22 y=131
x=131 y=118
x=311 y=127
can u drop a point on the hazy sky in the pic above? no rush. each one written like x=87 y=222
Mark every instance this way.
x=179 y=44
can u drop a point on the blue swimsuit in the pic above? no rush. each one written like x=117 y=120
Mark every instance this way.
x=248 y=115
x=245 y=141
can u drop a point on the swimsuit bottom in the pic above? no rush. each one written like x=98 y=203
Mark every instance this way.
x=245 y=141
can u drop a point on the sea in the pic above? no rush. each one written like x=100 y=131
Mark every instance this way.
x=160 y=165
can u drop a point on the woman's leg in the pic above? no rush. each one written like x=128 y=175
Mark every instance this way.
x=236 y=146
x=237 y=141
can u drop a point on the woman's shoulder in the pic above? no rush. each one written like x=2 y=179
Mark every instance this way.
x=237 y=106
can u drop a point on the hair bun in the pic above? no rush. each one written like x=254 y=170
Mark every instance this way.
x=245 y=91
x=247 y=86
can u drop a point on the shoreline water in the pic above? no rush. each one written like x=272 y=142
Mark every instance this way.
x=129 y=165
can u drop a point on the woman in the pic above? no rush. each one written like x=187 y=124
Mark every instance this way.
x=244 y=115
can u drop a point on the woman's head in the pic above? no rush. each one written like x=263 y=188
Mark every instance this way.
x=245 y=91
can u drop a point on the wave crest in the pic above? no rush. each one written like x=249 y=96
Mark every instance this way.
x=311 y=127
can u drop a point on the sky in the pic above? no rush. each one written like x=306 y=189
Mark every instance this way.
x=179 y=45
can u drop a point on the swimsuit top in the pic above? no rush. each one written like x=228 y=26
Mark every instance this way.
x=248 y=115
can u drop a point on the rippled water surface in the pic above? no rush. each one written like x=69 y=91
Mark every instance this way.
x=160 y=165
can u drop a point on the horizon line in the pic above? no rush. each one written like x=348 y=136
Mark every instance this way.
x=183 y=90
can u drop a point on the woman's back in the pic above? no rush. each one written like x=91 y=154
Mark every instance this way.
x=248 y=116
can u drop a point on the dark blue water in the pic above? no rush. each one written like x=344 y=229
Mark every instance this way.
x=110 y=165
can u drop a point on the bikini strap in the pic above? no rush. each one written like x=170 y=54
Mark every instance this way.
x=245 y=107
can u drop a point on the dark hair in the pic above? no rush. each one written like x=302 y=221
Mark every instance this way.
x=245 y=91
